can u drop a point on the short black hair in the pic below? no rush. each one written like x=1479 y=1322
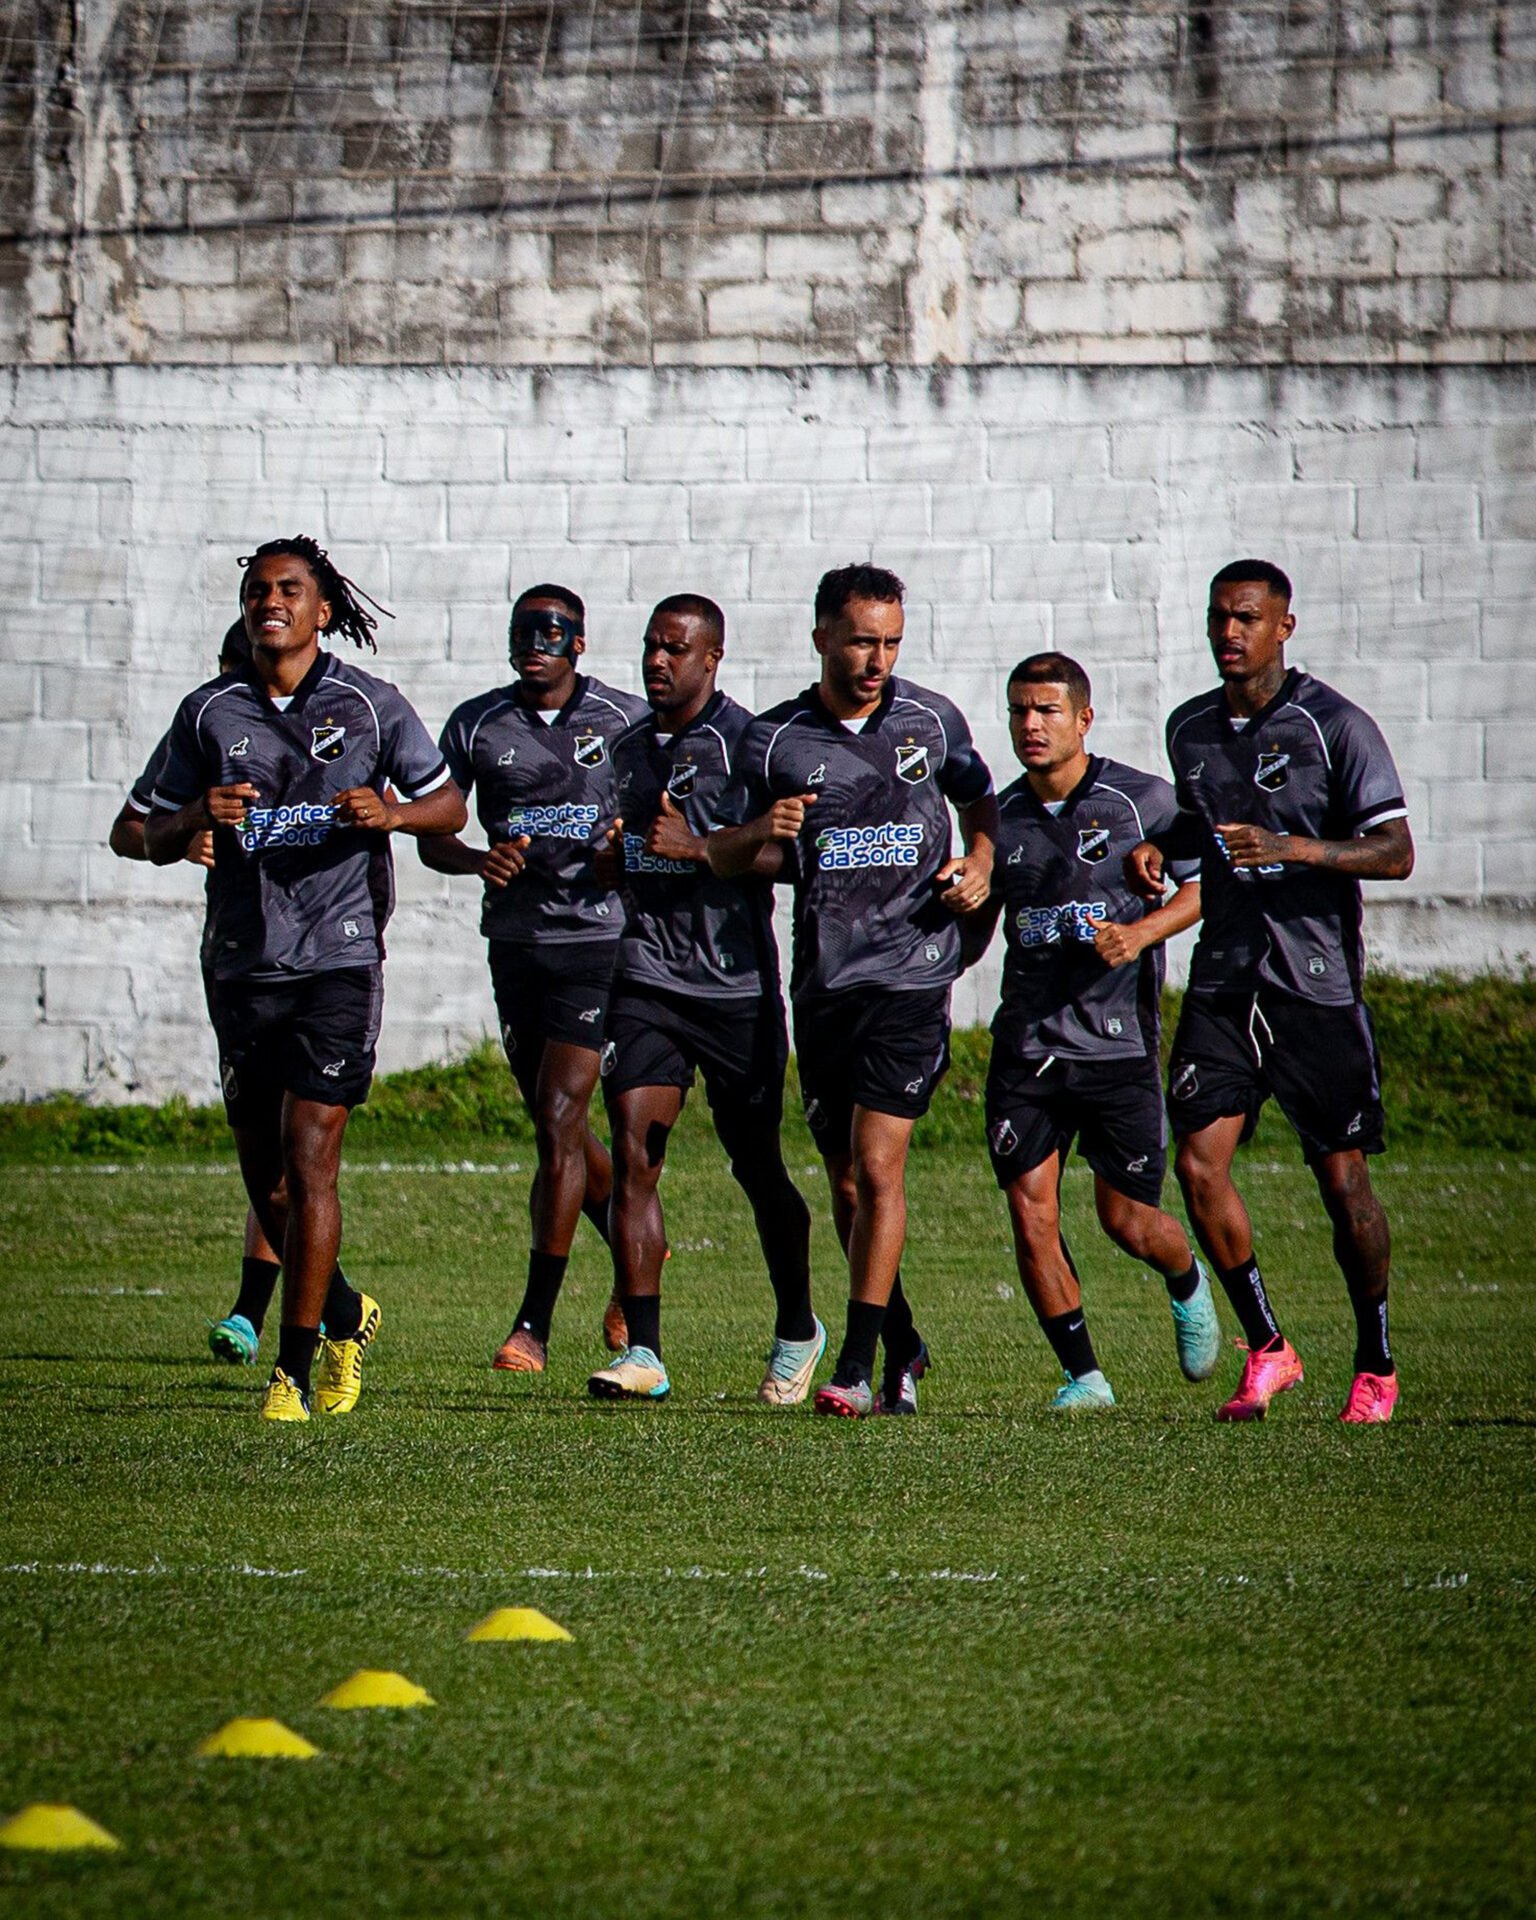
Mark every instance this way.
x=1055 y=670
x=349 y=617
x=861 y=581
x=1273 y=577
x=235 y=647
x=698 y=607
x=547 y=590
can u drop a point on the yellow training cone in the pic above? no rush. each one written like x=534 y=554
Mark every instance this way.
x=517 y=1623
x=246 y=1739
x=370 y=1688
x=53 y=1829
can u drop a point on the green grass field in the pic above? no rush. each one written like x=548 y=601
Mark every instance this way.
x=977 y=1663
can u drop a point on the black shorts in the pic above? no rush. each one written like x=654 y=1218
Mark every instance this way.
x=1112 y=1108
x=660 y=1039
x=1232 y=1051
x=873 y=1048
x=548 y=994
x=313 y=1036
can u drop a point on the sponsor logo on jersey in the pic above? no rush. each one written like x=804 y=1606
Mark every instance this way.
x=305 y=824
x=817 y=777
x=327 y=741
x=351 y=929
x=1186 y=1082
x=893 y=843
x=1093 y=844
x=1003 y=1137
x=637 y=860
x=508 y=757
x=682 y=780
x=565 y=822
x=241 y=747
x=911 y=763
x=590 y=750
x=1270 y=773
x=1046 y=926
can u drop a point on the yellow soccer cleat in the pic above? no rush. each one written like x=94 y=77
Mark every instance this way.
x=283 y=1399
x=339 y=1376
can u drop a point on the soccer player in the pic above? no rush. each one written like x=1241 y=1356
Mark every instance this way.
x=234 y=1338
x=1289 y=795
x=849 y=782
x=537 y=756
x=696 y=988
x=286 y=762
x=1074 y=1041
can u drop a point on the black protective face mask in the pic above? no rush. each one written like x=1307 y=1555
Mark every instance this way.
x=552 y=634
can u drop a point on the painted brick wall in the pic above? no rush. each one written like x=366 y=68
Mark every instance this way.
x=1027 y=507
x=454 y=182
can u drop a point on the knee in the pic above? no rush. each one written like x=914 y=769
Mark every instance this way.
x=1347 y=1194
x=636 y=1169
x=559 y=1125
x=877 y=1177
x=1198 y=1178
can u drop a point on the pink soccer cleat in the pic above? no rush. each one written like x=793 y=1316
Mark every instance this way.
x=1372 y=1396
x=1264 y=1375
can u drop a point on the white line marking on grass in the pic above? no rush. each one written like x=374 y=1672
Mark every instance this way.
x=157 y=1569
x=160 y=1169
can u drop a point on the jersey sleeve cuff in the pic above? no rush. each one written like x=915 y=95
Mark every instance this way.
x=1377 y=816
x=167 y=802
x=430 y=785
x=139 y=804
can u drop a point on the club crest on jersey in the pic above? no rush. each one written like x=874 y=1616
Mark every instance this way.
x=1093 y=844
x=911 y=763
x=591 y=750
x=241 y=747
x=682 y=780
x=327 y=741
x=1270 y=773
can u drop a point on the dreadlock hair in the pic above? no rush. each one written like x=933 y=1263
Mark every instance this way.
x=349 y=617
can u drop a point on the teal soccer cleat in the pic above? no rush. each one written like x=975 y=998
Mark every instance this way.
x=234 y=1340
x=1197 y=1331
x=1084 y=1393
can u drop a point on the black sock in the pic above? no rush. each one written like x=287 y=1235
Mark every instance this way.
x=296 y=1353
x=857 y=1360
x=1183 y=1286
x=1244 y=1287
x=343 y=1308
x=1068 y=1335
x=899 y=1330
x=545 y=1273
x=642 y=1316
x=597 y=1212
x=258 y=1278
x=1372 y=1353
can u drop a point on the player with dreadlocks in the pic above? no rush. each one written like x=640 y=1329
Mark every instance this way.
x=289 y=763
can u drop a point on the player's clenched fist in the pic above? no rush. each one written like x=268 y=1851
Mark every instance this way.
x=363 y=807
x=785 y=818
x=670 y=837
x=225 y=806
x=503 y=861
x=1144 y=870
x=1117 y=946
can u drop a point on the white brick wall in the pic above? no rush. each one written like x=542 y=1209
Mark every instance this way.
x=1026 y=507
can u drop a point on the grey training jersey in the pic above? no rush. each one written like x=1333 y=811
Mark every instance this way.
x=1312 y=763
x=863 y=868
x=553 y=781
x=290 y=891
x=1059 y=878
x=684 y=930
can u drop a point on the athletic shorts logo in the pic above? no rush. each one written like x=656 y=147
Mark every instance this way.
x=1354 y=1126
x=230 y=1084
x=1186 y=1082
x=1270 y=774
x=1114 y=1025
x=608 y=1059
x=588 y=1016
x=508 y=757
x=1138 y=1165
x=1317 y=967
x=327 y=742
x=812 y=1111
x=915 y=1086
x=682 y=780
x=332 y=1069
x=241 y=747
x=508 y=1039
x=351 y=929
x=1004 y=1139
x=911 y=763
x=817 y=777
x=591 y=750
x=1093 y=844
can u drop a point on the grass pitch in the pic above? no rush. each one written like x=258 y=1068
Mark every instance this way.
x=977 y=1663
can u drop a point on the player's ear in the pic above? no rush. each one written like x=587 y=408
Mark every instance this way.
x=1287 y=628
x=578 y=646
x=819 y=638
x=1084 y=721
